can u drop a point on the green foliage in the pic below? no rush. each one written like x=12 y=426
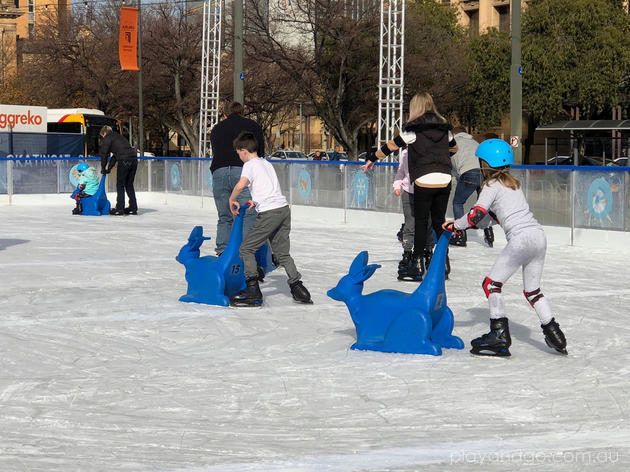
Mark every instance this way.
x=434 y=53
x=487 y=97
x=575 y=53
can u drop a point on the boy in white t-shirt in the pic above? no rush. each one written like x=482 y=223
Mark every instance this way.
x=272 y=223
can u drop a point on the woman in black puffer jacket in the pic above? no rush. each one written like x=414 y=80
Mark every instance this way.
x=430 y=144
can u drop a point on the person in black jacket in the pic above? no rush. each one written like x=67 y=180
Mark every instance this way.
x=125 y=156
x=430 y=143
x=226 y=169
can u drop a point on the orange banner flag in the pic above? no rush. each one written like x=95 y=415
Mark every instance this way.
x=128 y=40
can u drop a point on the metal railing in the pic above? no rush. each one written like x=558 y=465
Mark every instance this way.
x=566 y=196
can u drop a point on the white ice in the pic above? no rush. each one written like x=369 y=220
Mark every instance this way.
x=103 y=369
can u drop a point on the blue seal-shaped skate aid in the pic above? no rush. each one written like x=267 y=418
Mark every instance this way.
x=213 y=280
x=97 y=204
x=391 y=321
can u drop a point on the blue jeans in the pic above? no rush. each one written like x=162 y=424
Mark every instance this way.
x=468 y=182
x=224 y=180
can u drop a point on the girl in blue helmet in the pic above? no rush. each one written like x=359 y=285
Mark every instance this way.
x=88 y=185
x=502 y=202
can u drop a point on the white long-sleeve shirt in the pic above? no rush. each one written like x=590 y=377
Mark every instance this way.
x=509 y=206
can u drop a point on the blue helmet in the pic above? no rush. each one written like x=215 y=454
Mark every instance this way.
x=83 y=167
x=496 y=152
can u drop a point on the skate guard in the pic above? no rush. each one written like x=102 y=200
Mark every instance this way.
x=213 y=280
x=392 y=321
x=97 y=204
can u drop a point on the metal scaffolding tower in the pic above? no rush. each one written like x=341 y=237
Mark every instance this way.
x=391 y=69
x=210 y=73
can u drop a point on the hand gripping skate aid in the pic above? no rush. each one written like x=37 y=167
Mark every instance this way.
x=213 y=280
x=393 y=321
x=97 y=204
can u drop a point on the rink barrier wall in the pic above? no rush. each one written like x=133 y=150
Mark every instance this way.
x=577 y=198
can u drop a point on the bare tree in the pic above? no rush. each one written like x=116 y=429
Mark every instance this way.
x=330 y=52
x=172 y=61
x=271 y=96
x=74 y=64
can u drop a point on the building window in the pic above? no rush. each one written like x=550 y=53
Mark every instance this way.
x=473 y=22
x=17 y=3
x=504 y=17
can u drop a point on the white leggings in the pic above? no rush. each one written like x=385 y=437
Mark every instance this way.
x=526 y=249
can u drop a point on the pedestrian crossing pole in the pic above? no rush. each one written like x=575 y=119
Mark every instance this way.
x=516 y=85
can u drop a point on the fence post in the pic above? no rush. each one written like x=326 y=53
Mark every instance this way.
x=149 y=174
x=573 y=171
x=345 y=194
x=58 y=176
x=10 y=180
x=200 y=181
x=290 y=184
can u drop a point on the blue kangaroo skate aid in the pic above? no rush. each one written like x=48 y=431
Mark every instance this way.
x=97 y=204
x=392 y=321
x=213 y=280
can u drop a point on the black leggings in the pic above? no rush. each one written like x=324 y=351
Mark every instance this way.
x=429 y=202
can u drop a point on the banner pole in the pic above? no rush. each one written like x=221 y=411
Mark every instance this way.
x=140 y=104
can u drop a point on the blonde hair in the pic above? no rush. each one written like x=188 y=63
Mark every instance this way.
x=105 y=130
x=420 y=104
x=503 y=176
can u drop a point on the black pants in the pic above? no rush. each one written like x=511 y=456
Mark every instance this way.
x=429 y=202
x=124 y=182
x=81 y=195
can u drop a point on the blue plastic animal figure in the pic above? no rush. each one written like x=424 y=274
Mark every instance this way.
x=393 y=321
x=213 y=280
x=97 y=204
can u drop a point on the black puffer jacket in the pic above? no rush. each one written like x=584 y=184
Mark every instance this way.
x=117 y=145
x=430 y=151
x=223 y=135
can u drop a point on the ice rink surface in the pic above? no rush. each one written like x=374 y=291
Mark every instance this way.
x=103 y=369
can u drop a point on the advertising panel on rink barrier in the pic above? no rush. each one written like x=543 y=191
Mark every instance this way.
x=600 y=200
x=304 y=183
x=36 y=160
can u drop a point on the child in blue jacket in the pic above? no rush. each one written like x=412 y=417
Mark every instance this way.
x=88 y=185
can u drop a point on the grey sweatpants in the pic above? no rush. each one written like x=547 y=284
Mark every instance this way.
x=526 y=250
x=275 y=226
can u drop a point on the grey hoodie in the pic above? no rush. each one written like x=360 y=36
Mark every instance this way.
x=464 y=159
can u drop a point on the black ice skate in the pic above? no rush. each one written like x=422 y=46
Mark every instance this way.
x=76 y=211
x=488 y=236
x=403 y=265
x=447 y=269
x=300 y=293
x=399 y=235
x=554 y=337
x=415 y=269
x=458 y=239
x=428 y=255
x=496 y=343
x=251 y=297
